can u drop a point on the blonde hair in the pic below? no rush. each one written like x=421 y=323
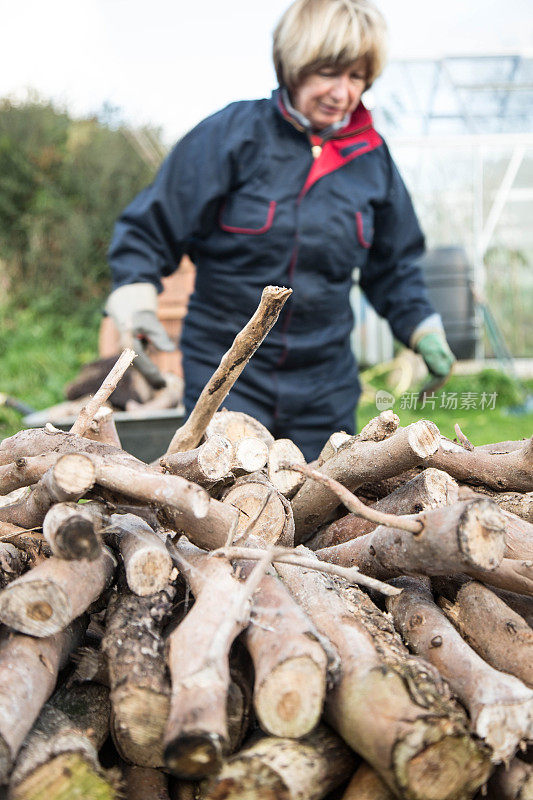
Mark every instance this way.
x=316 y=33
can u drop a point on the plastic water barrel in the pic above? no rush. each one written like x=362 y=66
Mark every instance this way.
x=448 y=275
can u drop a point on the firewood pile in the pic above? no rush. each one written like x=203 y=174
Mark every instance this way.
x=231 y=622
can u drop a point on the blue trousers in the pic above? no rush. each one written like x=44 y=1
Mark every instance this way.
x=305 y=404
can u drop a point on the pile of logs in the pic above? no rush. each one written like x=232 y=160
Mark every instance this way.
x=231 y=622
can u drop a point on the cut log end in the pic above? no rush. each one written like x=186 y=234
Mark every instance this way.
x=69 y=775
x=481 y=534
x=286 y=481
x=138 y=723
x=38 y=608
x=75 y=473
x=289 y=701
x=76 y=539
x=237 y=782
x=429 y=776
x=216 y=457
x=503 y=725
x=424 y=438
x=251 y=454
x=148 y=571
x=193 y=757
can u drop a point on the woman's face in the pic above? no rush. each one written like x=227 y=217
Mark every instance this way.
x=326 y=96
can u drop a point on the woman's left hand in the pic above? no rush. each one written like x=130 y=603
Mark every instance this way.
x=436 y=352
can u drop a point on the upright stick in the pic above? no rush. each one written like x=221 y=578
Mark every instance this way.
x=232 y=364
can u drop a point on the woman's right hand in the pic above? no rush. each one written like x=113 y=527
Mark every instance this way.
x=133 y=309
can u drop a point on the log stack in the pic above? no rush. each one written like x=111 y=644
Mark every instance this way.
x=230 y=622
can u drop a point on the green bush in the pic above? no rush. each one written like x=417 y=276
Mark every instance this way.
x=64 y=182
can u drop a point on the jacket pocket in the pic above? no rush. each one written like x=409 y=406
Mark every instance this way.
x=246 y=214
x=365 y=233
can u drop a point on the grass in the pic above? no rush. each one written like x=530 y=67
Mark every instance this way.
x=480 y=425
x=41 y=350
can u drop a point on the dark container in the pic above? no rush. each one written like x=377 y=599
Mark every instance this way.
x=146 y=438
x=448 y=275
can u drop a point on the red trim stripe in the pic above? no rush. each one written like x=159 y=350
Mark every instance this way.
x=251 y=231
x=360 y=232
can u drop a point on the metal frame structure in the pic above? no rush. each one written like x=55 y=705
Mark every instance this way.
x=481 y=107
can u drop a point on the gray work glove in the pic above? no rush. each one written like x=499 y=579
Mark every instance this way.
x=133 y=309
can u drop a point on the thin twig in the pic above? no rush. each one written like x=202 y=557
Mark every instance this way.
x=462 y=438
x=86 y=415
x=354 y=505
x=284 y=555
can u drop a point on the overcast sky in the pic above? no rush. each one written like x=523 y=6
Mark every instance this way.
x=170 y=63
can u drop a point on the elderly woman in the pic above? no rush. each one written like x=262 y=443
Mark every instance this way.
x=295 y=190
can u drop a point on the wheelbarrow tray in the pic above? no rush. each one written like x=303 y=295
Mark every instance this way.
x=146 y=437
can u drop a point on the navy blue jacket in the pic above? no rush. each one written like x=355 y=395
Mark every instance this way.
x=243 y=195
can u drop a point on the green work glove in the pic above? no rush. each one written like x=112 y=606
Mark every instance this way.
x=435 y=351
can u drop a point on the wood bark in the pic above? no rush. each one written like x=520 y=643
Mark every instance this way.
x=431 y=489
x=239 y=705
x=518 y=537
x=188 y=790
x=231 y=365
x=145 y=783
x=391 y=708
x=509 y=471
x=512 y=782
x=290 y=663
x=511 y=575
x=46 y=599
x=286 y=481
x=500 y=706
x=72 y=532
x=376 y=430
x=69 y=478
x=150 y=486
x=519 y=603
x=59 y=757
x=13 y=562
x=147 y=562
x=518 y=503
x=367 y=785
x=181 y=504
x=264 y=513
x=139 y=684
x=333 y=444
x=31 y=544
x=25 y=472
x=453 y=538
x=205 y=465
x=103 y=428
x=35 y=442
x=286 y=769
x=448 y=586
x=497 y=633
x=285 y=555
x=196 y=736
x=28 y=673
x=90 y=666
x=354 y=465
